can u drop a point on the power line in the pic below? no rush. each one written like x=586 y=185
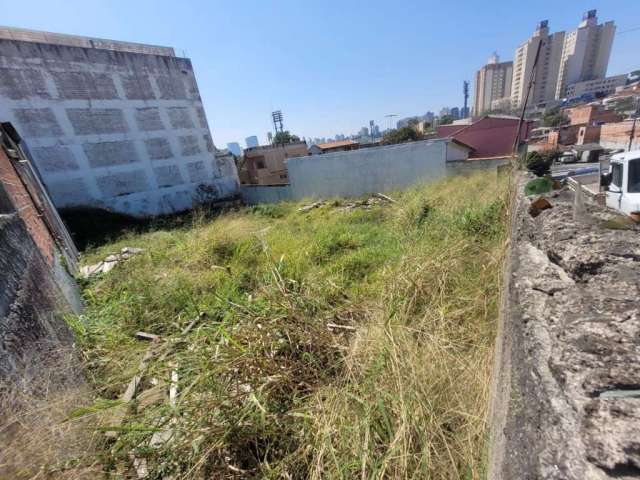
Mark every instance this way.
x=628 y=30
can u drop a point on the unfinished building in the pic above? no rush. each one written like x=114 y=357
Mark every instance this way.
x=111 y=124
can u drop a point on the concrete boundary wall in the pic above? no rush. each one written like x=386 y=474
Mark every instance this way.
x=256 y=194
x=369 y=170
x=361 y=172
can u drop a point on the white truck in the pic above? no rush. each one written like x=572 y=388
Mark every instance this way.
x=622 y=183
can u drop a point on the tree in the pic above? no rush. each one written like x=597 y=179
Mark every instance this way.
x=554 y=118
x=283 y=138
x=446 y=120
x=400 y=135
x=539 y=163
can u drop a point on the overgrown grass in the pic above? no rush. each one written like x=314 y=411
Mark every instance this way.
x=265 y=388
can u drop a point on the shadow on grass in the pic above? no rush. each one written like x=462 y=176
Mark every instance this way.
x=94 y=227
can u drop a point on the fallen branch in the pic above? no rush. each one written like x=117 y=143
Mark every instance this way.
x=340 y=327
x=146 y=336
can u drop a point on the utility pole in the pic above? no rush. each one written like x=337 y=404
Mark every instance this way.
x=516 y=142
x=633 y=126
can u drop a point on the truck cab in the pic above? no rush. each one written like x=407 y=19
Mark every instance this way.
x=622 y=182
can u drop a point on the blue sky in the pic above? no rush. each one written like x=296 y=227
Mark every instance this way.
x=330 y=66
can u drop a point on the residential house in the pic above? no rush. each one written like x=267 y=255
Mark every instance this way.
x=490 y=136
x=266 y=165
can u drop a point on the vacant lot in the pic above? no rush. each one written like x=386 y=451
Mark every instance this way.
x=346 y=341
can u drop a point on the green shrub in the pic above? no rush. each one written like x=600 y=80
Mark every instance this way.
x=538 y=186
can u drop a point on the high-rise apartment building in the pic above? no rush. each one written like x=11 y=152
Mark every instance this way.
x=565 y=59
x=586 y=52
x=546 y=75
x=493 y=81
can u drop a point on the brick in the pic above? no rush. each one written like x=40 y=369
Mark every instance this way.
x=171 y=87
x=37 y=122
x=19 y=84
x=23 y=204
x=97 y=121
x=148 y=119
x=123 y=183
x=189 y=145
x=197 y=172
x=137 y=87
x=57 y=158
x=158 y=148
x=106 y=154
x=168 y=176
x=180 y=117
x=85 y=85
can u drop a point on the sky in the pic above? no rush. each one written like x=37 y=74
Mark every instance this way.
x=330 y=66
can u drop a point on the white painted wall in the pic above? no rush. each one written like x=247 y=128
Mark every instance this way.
x=368 y=170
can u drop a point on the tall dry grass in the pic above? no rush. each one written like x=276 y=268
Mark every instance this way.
x=40 y=438
x=266 y=389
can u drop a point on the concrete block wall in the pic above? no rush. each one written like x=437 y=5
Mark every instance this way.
x=112 y=129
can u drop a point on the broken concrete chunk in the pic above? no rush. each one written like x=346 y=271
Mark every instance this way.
x=109 y=262
x=311 y=206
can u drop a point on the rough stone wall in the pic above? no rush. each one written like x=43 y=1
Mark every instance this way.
x=567 y=374
x=111 y=129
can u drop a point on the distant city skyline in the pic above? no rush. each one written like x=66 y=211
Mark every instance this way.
x=325 y=79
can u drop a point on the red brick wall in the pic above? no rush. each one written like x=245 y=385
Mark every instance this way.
x=591 y=114
x=580 y=115
x=616 y=135
x=24 y=206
